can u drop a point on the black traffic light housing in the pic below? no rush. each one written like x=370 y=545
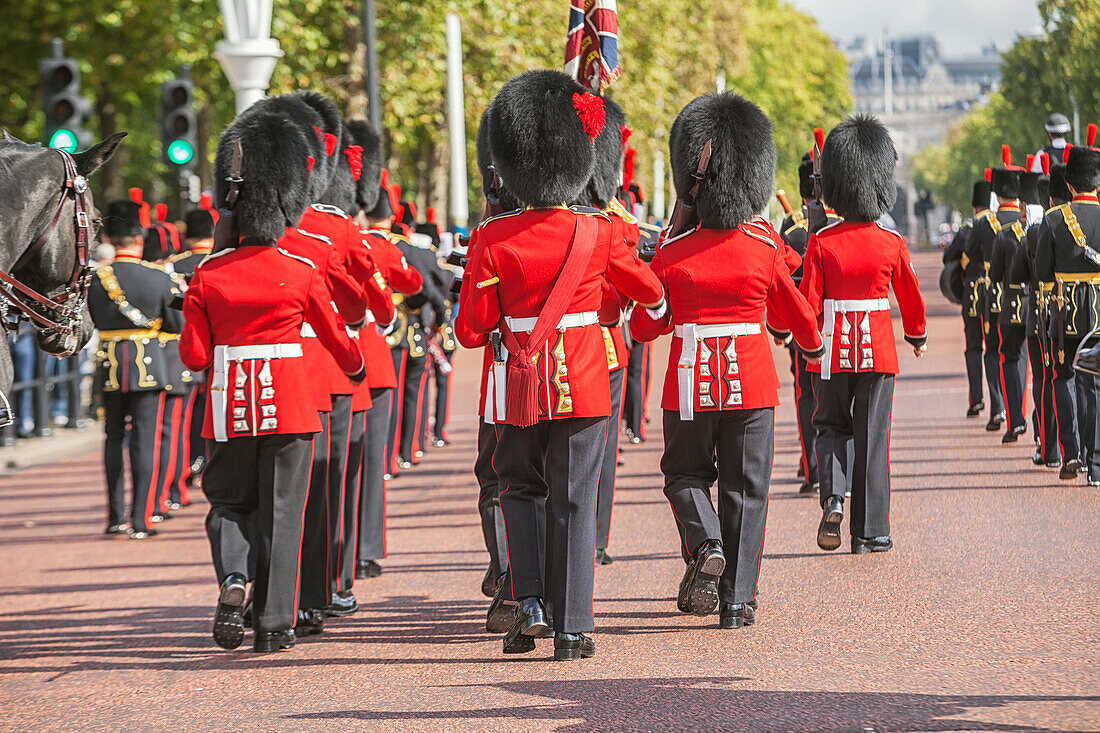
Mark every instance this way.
x=67 y=111
x=177 y=120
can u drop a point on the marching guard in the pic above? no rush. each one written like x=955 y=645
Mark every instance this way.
x=849 y=269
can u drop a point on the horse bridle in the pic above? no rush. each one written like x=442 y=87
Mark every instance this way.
x=59 y=314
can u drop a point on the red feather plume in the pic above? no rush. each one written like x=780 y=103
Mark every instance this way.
x=310 y=160
x=136 y=194
x=431 y=215
x=354 y=154
x=1030 y=162
x=1044 y=160
x=1006 y=155
x=591 y=112
x=628 y=166
x=161 y=211
x=385 y=180
x=330 y=143
x=1090 y=138
x=989 y=175
x=624 y=134
x=1065 y=154
x=206 y=201
x=819 y=138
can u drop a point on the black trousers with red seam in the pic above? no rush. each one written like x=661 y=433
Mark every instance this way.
x=605 y=497
x=734 y=449
x=144 y=411
x=371 y=544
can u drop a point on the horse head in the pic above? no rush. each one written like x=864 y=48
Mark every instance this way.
x=31 y=185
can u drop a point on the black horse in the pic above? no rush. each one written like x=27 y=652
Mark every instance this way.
x=33 y=203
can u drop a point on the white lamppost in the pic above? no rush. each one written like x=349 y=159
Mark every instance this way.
x=248 y=53
x=456 y=124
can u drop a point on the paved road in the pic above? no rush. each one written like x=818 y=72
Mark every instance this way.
x=983 y=618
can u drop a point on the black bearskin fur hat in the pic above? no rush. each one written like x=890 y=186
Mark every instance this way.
x=294 y=110
x=508 y=202
x=198 y=224
x=980 y=197
x=1083 y=169
x=1006 y=182
x=367 y=138
x=275 y=168
x=1029 y=187
x=607 y=176
x=1059 y=192
x=741 y=174
x=341 y=191
x=857 y=169
x=806 y=177
x=331 y=124
x=542 y=124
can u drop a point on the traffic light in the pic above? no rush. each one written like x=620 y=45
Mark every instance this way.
x=177 y=119
x=67 y=111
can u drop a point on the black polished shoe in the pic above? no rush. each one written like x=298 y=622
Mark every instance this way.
x=995 y=422
x=1037 y=459
x=118 y=528
x=809 y=487
x=228 y=616
x=864 y=545
x=490 y=582
x=736 y=615
x=160 y=517
x=1013 y=434
x=602 y=558
x=828 y=531
x=440 y=442
x=309 y=622
x=341 y=604
x=530 y=623
x=405 y=465
x=273 y=641
x=975 y=410
x=699 y=586
x=142 y=534
x=367 y=569
x=502 y=611
x=571 y=647
x=1070 y=469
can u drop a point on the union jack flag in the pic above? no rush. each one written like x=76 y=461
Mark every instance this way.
x=592 y=43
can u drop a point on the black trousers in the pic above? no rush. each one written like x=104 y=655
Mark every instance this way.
x=353 y=477
x=734 y=448
x=1075 y=407
x=853 y=415
x=605 y=494
x=993 y=365
x=554 y=463
x=198 y=414
x=339 y=448
x=442 y=400
x=805 y=405
x=193 y=402
x=315 y=590
x=170 y=464
x=257 y=493
x=413 y=403
x=1014 y=372
x=393 y=437
x=372 y=501
x=1042 y=394
x=144 y=413
x=972 y=333
x=637 y=388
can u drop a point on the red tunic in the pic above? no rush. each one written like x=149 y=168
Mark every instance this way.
x=849 y=261
x=261 y=295
x=526 y=250
x=730 y=372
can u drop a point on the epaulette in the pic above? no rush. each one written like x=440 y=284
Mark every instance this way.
x=398 y=238
x=1018 y=229
x=329 y=209
x=179 y=256
x=891 y=230
x=154 y=266
x=1060 y=208
x=761 y=230
x=320 y=237
x=503 y=215
x=589 y=211
x=827 y=227
x=297 y=257
x=618 y=210
x=214 y=255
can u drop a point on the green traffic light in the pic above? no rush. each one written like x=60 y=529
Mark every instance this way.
x=180 y=152
x=65 y=140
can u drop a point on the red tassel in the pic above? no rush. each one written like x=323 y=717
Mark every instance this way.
x=624 y=134
x=819 y=138
x=161 y=211
x=135 y=195
x=1006 y=155
x=1044 y=160
x=1065 y=154
x=206 y=201
x=310 y=160
x=590 y=110
x=522 y=392
x=989 y=175
x=354 y=154
x=1030 y=162
x=385 y=180
x=431 y=215
x=1090 y=138
x=330 y=143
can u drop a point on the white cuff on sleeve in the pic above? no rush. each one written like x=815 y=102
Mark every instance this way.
x=659 y=312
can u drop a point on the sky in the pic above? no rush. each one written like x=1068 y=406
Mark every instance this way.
x=962 y=26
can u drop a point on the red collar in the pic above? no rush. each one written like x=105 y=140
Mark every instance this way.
x=1008 y=207
x=127 y=257
x=203 y=250
x=1087 y=198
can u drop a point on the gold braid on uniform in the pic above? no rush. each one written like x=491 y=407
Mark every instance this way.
x=109 y=281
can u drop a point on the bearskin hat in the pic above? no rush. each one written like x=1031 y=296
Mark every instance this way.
x=370 y=151
x=542 y=125
x=293 y=109
x=857 y=169
x=382 y=208
x=276 y=166
x=199 y=224
x=341 y=191
x=1083 y=168
x=806 y=177
x=741 y=174
x=123 y=219
x=980 y=197
x=1005 y=180
x=1029 y=187
x=330 y=131
x=607 y=175
x=1059 y=192
x=506 y=200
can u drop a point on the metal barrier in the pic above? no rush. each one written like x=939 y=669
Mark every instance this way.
x=78 y=392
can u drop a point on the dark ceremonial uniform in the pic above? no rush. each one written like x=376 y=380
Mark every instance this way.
x=1068 y=257
x=848 y=272
x=129 y=301
x=972 y=273
x=245 y=309
x=174 y=468
x=795 y=231
x=720 y=388
x=554 y=462
x=445 y=338
x=381 y=382
x=162 y=240
x=1011 y=321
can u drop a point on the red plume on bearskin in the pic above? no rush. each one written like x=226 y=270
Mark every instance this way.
x=819 y=138
x=310 y=161
x=988 y=174
x=136 y=194
x=161 y=212
x=330 y=143
x=431 y=215
x=1044 y=160
x=1090 y=138
x=628 y=167
x=624 y=134
x=354 y=154
x=1065 y=154
x=1006 y=155
x=1030 y=162
x=206 y=201
x=590 y=109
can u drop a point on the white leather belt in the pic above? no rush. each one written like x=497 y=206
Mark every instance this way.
x=220 y=377
x=569 y=320
x=691 y=334
x=834 y=306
